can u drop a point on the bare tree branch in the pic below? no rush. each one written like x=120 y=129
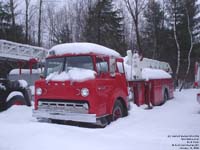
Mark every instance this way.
x=135 y=9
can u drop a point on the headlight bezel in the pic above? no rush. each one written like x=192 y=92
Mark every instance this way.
x=85 y=92
x=38 y=91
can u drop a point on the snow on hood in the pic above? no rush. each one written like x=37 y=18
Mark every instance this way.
x=82 y=48
x=148 y=73
x=74 y=74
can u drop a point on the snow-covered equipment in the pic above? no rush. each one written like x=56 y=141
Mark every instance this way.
x=149 y=79
x=13 y=92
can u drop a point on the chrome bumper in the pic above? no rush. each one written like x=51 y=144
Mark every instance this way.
x=89 y=118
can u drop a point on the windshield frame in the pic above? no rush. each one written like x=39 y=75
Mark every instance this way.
x=50 y=60
x=63 y=68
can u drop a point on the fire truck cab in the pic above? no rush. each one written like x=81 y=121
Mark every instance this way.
x=82 y=82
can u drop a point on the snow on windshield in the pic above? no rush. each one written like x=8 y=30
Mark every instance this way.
x=74 y=74
x=82 y=48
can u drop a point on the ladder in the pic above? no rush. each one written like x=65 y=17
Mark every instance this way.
x=17 y=51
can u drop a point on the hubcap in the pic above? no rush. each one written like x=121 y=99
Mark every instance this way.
x=117 y=113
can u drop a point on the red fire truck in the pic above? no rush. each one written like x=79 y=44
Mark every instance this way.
x=86 y=82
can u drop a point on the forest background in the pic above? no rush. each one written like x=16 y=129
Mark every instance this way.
x=165 y=30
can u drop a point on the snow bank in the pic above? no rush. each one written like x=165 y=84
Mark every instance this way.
x=148 y=73
x=82 y=48
x=74 y=74
x=141 y=129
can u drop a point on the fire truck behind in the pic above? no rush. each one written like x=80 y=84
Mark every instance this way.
x=149 y=80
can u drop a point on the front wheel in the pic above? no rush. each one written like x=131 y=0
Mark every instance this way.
x=118 y=111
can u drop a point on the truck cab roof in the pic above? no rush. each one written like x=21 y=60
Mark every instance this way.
x=81 y=49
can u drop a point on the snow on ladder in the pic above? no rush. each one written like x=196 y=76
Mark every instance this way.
x=136 y=65
x=12 y=50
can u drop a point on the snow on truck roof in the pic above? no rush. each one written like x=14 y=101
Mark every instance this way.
x=82 y=48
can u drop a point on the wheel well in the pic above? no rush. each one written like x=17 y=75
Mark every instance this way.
x=124 y=105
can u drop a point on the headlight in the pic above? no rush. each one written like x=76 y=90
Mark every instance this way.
x=38 y=91
x=84 y=92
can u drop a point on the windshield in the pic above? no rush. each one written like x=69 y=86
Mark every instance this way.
x=67 y=63
x=54 y=65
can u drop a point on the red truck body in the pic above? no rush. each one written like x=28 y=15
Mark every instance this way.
x=154 y=92
x=63 y=100
x=97 y=100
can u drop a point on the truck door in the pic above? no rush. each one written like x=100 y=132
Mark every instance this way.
x=104 y=84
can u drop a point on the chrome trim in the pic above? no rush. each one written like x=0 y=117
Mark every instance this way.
x=40 y=114
x=70 y=107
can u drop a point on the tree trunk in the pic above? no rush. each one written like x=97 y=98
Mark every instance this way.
x=135 y=16
x=39 y=23
x=190 y=50
x=12 y=10
x=178 y=48
x=138 y=38
x=26 y=21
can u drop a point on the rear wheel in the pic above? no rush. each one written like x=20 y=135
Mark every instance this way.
x=118 y=111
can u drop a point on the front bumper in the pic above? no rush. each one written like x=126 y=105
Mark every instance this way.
x=66 y=116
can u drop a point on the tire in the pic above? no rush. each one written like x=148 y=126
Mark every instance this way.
x=118 y=111
x=14 y=99
x=165 y=97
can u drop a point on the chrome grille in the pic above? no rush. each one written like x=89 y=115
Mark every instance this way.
x=70 y=107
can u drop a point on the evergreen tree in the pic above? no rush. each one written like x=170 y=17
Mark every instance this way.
x=5 y=18
x=104 y=26
x=183 y=10
x=153 y=29
x=6 y=27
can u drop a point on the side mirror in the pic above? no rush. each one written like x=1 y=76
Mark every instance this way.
x=112 y=65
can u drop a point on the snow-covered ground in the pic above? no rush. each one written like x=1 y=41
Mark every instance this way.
x=143 y=129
